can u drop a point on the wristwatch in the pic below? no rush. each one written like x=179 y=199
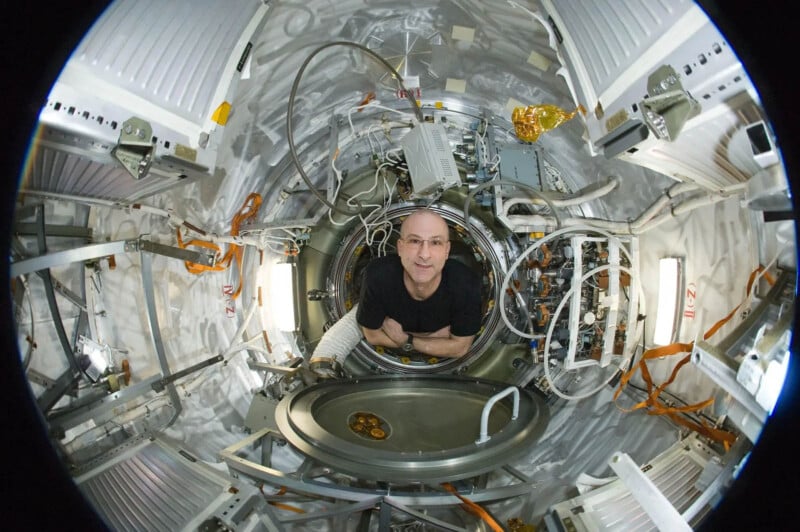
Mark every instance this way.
x=409 y=345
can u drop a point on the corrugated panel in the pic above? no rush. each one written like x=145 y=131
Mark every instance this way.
x=613 y=507
x=613 y=47
x=169 y=53
x=151 y=489
x=610 y=34
x=57 y=171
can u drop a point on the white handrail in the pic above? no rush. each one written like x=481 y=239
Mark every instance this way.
x=484 y=436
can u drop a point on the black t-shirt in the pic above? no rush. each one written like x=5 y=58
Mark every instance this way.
x=456 y=302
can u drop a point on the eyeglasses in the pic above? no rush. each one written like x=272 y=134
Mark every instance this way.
x=434 y=243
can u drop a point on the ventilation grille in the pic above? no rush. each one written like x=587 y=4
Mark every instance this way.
x=151 y=489
x=623 y=512
x=171 y=54
x=608 y=33
x=612 y=507
x=55 y=170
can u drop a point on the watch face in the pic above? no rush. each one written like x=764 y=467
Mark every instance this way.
x=408 y=347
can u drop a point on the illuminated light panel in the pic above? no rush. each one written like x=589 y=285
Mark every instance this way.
x=282 y=296
x=669 y=270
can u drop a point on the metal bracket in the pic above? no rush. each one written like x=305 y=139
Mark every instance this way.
x=669 y=106
x=135 y=147
x=197 y=257
x=40 y=379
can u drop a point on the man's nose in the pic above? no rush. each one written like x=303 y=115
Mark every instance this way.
x=425 y=248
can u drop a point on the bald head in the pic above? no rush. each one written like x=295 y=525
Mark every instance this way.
x=424 y=221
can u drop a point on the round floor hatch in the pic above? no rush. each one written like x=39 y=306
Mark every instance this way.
x=400 y=428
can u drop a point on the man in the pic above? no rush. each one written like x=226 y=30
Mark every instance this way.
x=419 y=300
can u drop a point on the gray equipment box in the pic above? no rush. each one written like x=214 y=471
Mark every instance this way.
x=430 y=160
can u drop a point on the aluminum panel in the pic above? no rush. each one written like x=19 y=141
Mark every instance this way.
x=147 y=490
x=169 y=53
x=168 y=67
x=612 y=507
x=609 y=35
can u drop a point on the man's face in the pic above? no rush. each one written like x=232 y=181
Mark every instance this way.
x=423 y=246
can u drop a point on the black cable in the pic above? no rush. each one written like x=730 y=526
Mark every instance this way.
x=289 y=112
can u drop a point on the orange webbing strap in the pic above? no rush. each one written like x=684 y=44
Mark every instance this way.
x=281 y=505
x=248 y=211
x=654 y=406
x=474 y=508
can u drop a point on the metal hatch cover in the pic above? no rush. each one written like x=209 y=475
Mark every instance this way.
x=429 y=426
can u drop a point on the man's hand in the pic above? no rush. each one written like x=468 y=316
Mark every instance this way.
x=439 y=343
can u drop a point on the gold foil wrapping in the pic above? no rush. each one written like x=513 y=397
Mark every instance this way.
x=533 y=120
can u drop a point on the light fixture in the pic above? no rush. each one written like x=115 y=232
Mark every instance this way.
x=669 y=277
x=281 y=296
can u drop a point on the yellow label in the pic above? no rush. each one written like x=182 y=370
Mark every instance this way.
x=185 y=152
x=616 y=120
x=221 y=113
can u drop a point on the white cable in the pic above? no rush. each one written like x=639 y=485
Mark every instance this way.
x=536 y=245
x=249 y=344
x=375 y=104
x=648 y=219
x=566 y=201
x=553 y=320
x=246 y=320
x=393 y=151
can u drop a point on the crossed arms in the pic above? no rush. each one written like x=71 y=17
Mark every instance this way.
x=439 y=343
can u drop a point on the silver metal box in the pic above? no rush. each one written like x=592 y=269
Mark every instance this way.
x=430 y=160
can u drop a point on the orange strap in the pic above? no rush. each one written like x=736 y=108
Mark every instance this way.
x=248 y=211
x=281 y=505
x=474 y=508
x=654 y=406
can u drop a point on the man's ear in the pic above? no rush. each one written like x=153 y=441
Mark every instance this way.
x=447 y=249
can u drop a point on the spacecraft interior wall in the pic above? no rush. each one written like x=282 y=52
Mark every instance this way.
x=465 y=66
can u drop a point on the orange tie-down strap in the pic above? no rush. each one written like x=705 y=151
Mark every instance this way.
x=654 y=406
x=281 y=505
x=248 y=211
x=474 y=508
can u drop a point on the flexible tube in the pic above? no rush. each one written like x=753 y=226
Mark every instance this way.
x=647 y=220
x=340 y=339
x=569 y=201
x=599 y=192
x=498 y=182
